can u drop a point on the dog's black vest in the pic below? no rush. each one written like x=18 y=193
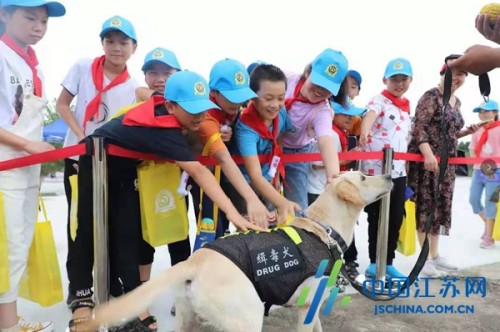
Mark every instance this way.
x=275 y=290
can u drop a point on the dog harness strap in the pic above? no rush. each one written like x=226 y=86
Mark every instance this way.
x=292 y=234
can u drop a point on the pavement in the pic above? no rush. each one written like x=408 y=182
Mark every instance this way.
x=461 y=248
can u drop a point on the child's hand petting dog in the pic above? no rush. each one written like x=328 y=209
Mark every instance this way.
x=242 y=224
x=285 y=209
x=257 y=213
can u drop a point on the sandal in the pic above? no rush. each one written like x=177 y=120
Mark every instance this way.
x=351 y=269
x=77 y=304
x=75 y=322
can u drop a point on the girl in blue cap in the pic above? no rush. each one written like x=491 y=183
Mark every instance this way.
x=22 y=99
x=311 y=117
x=485 y=143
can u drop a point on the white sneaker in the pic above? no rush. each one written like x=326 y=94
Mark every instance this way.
x=25 y=326
x=429 y=269
x=443 y=264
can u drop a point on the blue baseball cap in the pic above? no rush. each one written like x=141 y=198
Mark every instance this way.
x=328 y=70
x=356 y=75
x=351 y=110
x=162 y=55
x=489 y=105
x=231 y=79
x=118 y=23
x=253 y=65
x=190 y=91
x=54 y=8
x=398 y=66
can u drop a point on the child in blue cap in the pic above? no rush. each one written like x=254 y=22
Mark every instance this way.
x=311 y=118
x=485 y=143
x=102 y=86
x=22 y=24
x=229 y=90
x=386 y=123
x=159 y=64
x=155 y=126
x=258 y=131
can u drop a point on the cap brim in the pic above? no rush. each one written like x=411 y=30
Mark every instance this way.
x=476 y=110
x=399 y=73
x=197 y=106
x=321 y=81
x=105 y=31
x=351 y=111
x=146 y=65
x=239 y=96
x=55 y=9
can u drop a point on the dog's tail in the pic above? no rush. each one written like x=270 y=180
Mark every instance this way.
x=130 y=305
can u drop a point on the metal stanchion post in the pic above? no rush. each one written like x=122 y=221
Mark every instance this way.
x=100 y=213
x=383 y=222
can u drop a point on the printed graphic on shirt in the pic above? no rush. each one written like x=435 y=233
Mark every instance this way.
x=18 y=102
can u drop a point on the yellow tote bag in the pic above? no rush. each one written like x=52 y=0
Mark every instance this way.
x=4 y=256
x=163 y=211
x=73 y=209
x=41 y=282
x=408 y=232
x=496 y=227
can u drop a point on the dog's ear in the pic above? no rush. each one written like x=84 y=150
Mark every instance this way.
x=349 y=192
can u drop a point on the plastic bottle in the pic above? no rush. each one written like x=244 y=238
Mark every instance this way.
x=207 y=233
x=182 y=189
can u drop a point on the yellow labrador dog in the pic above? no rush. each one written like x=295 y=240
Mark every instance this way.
x=225 y=283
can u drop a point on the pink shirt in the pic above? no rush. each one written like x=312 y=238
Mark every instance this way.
x=492 y=146
x=308 y=121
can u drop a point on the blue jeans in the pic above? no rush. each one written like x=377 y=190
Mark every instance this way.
x=479 y=183
x=296 y=178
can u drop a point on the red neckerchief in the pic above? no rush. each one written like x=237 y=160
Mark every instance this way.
x=343 y=143
x=143 y=115
x=484 y=136
x=29 y=57
x=222 y=117
x=98 y=79
x=251 y=118
x=401 y=103
x=297 y=96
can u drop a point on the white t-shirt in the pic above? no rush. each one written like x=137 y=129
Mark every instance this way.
x=390 y=129
x=79 y=83
x=12 y=87
x=316 y=178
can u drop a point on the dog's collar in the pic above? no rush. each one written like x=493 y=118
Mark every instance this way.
x=334 y=238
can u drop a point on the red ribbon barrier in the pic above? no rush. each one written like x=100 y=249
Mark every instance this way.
x=44 y=157
x=115 y=150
